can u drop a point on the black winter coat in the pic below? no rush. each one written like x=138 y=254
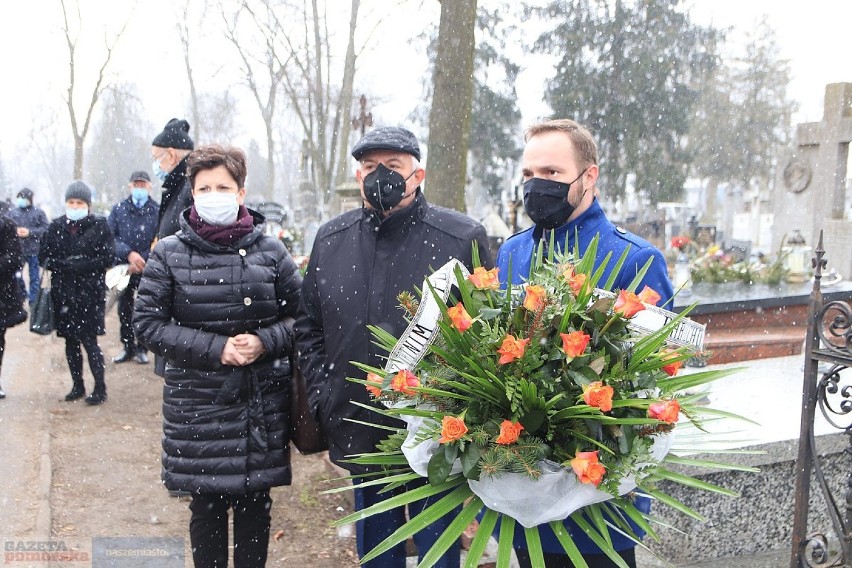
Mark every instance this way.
x=78 y=263
x=358 y=266
x=225 y=428
x=134 y=228
x=176 y=196
x=11 y=303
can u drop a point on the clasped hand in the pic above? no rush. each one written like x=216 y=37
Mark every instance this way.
x=241 y=350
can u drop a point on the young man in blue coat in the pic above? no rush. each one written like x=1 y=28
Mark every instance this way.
x=560 y=169
x=133 y=222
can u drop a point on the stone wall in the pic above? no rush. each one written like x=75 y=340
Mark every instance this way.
x=761 y=519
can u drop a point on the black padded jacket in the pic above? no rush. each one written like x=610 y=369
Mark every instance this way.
x=225 y=428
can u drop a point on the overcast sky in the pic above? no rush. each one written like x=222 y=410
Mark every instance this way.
x=812 y=36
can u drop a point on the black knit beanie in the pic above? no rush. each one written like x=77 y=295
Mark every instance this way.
x=174 y=135
x=26 y=193
x=79 y=190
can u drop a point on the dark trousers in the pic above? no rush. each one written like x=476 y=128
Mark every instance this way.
x=562 y=560
x=208 y=529
x=75 y=358
x=2 y=344
x=125 y=315
x=370 y=532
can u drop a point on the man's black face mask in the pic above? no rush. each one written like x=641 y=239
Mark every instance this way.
x=384 y=188
x=546 y=201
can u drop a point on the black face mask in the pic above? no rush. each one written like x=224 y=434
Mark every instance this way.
x=384 y=188
x=546 y=201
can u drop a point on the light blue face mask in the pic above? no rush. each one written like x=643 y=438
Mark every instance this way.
x=158 y=171
x=139 y=195
x=22 y=203
x=75 y=214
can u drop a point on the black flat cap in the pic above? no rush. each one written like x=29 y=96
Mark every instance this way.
x=388 y=138
x=140 y=175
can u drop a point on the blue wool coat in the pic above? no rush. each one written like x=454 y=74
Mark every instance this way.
x=133 y=227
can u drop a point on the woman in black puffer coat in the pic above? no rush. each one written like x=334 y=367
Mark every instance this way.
x=78 y=248
x=212 y=303
x=11 y=303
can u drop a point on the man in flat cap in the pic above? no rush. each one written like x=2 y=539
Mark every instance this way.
x=133 y=222
x=360 y=262
x=169 y=150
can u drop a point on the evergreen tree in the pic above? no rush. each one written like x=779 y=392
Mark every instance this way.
x=742 y=120
x=627 y=69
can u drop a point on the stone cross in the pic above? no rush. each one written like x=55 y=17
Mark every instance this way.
x=364 y=119
x=812 y=193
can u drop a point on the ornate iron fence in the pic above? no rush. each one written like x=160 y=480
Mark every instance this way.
x=828 y=351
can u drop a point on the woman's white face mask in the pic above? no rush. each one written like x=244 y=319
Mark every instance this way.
x=217 y=207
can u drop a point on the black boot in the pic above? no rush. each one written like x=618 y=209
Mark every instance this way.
x=2 y=392
x=98 y=395
x=77 y=391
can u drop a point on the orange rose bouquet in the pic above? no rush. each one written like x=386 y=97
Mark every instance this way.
x=555 y=390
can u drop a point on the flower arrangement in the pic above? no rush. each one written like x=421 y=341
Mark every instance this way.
x=520 y=383
x=716 y=266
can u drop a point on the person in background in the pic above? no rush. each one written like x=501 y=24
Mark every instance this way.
x=169 y=150
x=32 y=223
x=133 y=222
x=213 y=303
x=78 y=248
x=11 y=304
x=560 y=169
x=360 y=262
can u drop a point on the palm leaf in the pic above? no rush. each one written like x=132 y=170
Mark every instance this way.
x=452 y=532
x=534 y=546
x=504 y=542
x=422 y=520
x=568 y=544
x=480 y=541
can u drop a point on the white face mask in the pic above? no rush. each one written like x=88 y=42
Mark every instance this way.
x=217 y=208
x=75 y=214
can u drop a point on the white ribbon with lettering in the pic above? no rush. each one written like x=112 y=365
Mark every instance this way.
x=686 y=334
x=414 y=343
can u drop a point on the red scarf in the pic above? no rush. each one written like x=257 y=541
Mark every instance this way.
x=225 y=235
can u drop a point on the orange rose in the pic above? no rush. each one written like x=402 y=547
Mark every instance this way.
x=460 y=318
x=667 y=411
x=452 y=429
x=598 y=395
x=484 y=279
x=574 y=343
x=374 y=384
x=511 y=349
x=671 y=368
x=628 y=304
x=509 y=432
x=534 y=300
x=649 y=296
x=587 y=468
x=568 y=272
x=577 y=282
x=403 y=381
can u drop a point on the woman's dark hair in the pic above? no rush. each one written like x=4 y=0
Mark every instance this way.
x=213 y=156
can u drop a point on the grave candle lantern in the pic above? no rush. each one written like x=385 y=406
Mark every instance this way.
x=798 y=253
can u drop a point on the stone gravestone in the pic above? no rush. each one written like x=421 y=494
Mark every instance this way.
x=813 y=189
